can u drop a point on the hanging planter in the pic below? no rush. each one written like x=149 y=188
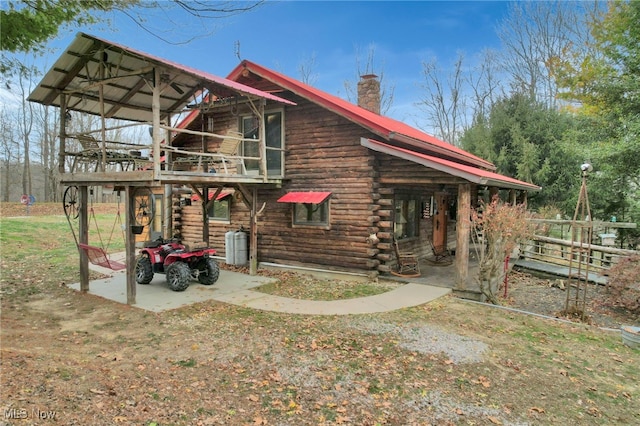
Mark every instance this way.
x=137 y=229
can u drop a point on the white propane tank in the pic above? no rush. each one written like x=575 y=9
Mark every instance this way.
x=240 y=243
x=229 y=248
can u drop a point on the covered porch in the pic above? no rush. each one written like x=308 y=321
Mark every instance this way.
x=133 y=96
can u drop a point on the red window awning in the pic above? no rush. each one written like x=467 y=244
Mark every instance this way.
x=304 y=197
x=221 y=195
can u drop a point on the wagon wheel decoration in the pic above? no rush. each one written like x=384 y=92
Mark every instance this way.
x=71 y=203
x=143 y=206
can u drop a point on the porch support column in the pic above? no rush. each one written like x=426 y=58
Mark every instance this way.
x=63 y=132
x=167 y=215
x=263 y=142
x=167 y=199
x=205 y=215
x=493 y=190
x=463 y=227
x=253 y=244
x=130 y=247
x=83 y=236
x=155 y=110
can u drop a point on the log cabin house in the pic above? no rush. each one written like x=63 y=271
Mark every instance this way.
x=353 y=181
x=314 y=180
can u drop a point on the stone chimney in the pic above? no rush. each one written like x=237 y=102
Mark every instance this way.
x=369 y=93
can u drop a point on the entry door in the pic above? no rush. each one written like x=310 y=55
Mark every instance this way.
x=440 y=219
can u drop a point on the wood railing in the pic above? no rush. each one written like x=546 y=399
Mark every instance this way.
x=557 y=248
x=559 y=252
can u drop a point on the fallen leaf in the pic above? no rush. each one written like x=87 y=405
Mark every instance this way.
x=536 y=410
x=494 y=420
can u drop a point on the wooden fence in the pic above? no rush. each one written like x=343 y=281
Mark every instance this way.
x=559 y=251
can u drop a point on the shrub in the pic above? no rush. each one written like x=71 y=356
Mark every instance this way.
x=502 y=226
x=623 y=289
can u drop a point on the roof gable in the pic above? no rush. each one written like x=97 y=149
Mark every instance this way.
x=387 y=128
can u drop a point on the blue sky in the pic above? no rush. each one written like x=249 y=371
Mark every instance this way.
x=282 y=35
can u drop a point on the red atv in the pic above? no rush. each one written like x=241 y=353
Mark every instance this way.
x=180 y=263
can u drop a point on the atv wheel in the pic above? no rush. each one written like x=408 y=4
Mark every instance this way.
x=178 y=276
x=144 y=270
x=209 y=271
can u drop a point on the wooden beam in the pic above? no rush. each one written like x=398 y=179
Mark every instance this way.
x=205 y=216
x=130 y=247
x=463 y=229
x=71 y=74
x=155 y=110
x=83 y=237
x=63 y=133
x=253 y=234
x=126 y=98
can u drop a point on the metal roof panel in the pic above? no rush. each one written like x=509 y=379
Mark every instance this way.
x=304 y=197
x=126 y=80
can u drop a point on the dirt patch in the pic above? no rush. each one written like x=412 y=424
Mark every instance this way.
x=547 y=296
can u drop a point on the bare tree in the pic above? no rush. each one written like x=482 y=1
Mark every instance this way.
x=386 y=90
x=485 y=84
x=47 y=130
x=306 y=69
x=9 y=152
x=25 y=125
x=445 y=102
x=534 y=35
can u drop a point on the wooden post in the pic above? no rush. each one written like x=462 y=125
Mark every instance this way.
x=263 y=143
x=493 y=190
x=205 y=215
x=463 y=227
x=103 y=123
x=155 y=110
x=63 y=133
x=83 y=237
x=167 y=199
x=167 y=215
x=130 y=246
x=253 y=234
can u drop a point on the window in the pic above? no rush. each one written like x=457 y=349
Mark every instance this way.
x=406 y=217
x=220 y=208
x=274 y=126
x=311 y=214
x=309 y=208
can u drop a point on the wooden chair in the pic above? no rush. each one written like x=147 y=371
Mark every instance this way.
x=408 y=265
x=441 y=254
x=228 y=152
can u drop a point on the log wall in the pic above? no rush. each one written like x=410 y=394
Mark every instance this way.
x=323 y=153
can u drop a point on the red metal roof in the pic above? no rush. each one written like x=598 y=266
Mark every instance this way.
x=221 y=195
x=304 y=197
x=386 y=127
x=470 y=173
